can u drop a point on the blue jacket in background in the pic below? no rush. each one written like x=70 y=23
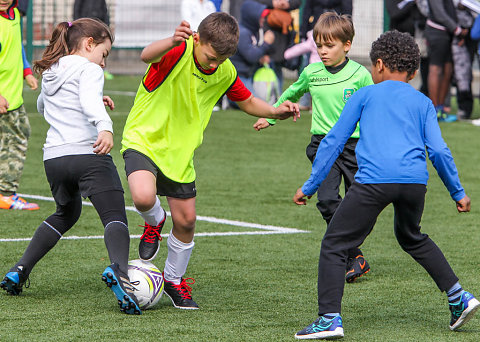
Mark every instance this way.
x=475 y=30
x=246 y=58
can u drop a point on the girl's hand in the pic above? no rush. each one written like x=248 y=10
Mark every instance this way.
x=3 y=105
x=31 y=81
x=182 y=33
x=107 y=101
x=104 y=143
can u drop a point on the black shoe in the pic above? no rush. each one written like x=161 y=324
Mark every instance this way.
x=180 y=294
x=120 y=284
x=14 y=280
x=149 y=246
x=356 y=268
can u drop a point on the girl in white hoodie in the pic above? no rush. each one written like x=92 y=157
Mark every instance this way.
x=76 y=159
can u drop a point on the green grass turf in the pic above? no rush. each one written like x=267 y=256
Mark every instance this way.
x=249 y=287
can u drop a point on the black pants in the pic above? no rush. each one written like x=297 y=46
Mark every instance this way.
x=345 y=167
x=328 y=193
x=353 y=221
x=70 y=178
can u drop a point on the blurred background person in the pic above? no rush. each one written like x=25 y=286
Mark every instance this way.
x=236 y=9
x=91 y=9
x=312 y=9
x=282 y=39
x=96 y=9
x=253 y=44
x=475 y=35
x=405 y=16
x=442 y=26
x=194 y=11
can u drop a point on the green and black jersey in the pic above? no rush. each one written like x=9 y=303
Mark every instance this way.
x=329 y=92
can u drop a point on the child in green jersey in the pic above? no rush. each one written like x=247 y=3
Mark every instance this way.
x=187 y=75
x=331 y=82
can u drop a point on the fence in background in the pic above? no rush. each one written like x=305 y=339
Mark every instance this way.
x=137 y=23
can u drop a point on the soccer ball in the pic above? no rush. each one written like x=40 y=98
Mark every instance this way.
x=147 y=280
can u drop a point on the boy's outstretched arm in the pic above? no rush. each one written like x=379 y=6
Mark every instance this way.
x=463 y=205
x=257 y=107
x=292 y=93
x=155 y=51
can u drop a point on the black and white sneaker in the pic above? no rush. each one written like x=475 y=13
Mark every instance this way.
x=120 y=284
x=149 y=241
x=180 y=294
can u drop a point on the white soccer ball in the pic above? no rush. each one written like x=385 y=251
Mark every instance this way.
x=147 y=280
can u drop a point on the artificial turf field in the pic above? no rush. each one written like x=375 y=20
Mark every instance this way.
x=255 y=281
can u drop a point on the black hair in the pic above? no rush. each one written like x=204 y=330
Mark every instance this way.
x=397 y=50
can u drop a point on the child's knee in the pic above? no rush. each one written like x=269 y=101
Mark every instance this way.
x=144 y=202
x=185 y=223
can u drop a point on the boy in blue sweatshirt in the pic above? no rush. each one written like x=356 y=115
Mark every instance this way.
x=398 y=125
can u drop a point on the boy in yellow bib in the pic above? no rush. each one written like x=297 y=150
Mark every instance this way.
x=187 y=75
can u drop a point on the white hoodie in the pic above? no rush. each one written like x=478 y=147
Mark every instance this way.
x=71 y=101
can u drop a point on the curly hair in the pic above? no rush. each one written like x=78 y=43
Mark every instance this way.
x=397 y=50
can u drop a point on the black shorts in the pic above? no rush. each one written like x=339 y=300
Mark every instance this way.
x=135 y=161
x=439 y=46
x=84 y=174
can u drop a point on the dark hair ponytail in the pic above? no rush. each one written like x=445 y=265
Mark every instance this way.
x=66 y=38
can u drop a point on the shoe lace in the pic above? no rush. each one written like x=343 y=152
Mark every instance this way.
x=26 y=281
x=184 y=287
x=133 y=284
x=150 y=233
x=130 y=286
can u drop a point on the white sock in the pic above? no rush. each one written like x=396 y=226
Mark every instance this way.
x=177 y=259
x=153 y=216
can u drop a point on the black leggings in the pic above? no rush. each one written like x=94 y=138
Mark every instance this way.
x=110 y=206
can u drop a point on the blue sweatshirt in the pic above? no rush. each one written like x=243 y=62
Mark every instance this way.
x=396 y=124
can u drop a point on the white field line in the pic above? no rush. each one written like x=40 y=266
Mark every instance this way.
x=119 y=92
x=265 y=229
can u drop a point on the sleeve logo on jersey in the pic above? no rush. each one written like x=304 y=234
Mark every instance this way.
x=347 y=93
